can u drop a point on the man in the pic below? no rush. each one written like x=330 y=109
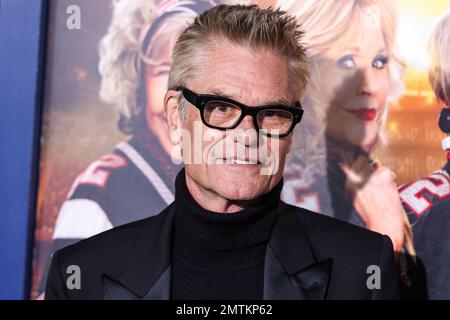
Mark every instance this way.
x=237 y=75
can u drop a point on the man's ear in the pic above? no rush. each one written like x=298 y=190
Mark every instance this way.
x=171 y=107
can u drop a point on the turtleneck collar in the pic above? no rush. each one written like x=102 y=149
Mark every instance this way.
x=213 y=240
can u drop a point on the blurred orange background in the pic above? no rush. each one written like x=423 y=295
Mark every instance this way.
x=413 y=148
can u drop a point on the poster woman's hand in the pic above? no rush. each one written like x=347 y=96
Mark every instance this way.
x=375 y=196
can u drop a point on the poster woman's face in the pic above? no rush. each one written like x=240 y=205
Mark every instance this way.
x=354 y=88
x=157 y=76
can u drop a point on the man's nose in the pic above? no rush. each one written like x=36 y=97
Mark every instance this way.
x=245 y=132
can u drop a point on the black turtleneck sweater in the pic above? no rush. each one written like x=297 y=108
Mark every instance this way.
x=220 y=255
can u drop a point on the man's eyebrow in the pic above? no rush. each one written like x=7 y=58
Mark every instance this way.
x=219 y=92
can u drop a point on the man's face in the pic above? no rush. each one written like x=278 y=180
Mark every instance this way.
x=253 y=79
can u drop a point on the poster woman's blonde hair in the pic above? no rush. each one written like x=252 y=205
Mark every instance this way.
x=122 y=56
x=439 y=50
x=329 y=25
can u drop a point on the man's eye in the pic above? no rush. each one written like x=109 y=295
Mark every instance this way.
x=270 y=113
x=380 y=62
x=222 y=108
x=346 y=62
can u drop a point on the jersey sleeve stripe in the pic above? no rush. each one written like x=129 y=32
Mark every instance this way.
x=148 y=171
x=80 y=219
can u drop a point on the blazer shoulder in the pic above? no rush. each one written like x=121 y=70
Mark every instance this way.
x=116 y=242
x=110 y=253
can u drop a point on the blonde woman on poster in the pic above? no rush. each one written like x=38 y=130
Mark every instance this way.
x=427 y=200
x=355 y=73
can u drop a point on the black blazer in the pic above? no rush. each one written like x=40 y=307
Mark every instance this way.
x=309 y=256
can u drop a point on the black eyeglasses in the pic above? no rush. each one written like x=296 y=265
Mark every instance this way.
x=223 y=113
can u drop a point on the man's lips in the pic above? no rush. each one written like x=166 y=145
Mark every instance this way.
x=241 y=161
x=245 y=161
x=365 y=114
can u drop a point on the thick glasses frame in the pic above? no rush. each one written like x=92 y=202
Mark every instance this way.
x=201 y=100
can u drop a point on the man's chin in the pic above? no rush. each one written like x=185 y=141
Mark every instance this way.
x=239 y=190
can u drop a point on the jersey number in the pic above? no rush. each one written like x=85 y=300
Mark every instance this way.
x=413 y=195
x=97 y=173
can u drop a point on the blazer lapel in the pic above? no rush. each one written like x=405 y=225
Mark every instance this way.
x=146 y=274
x=114 y=290
x=291 y=268
x=292 y=271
